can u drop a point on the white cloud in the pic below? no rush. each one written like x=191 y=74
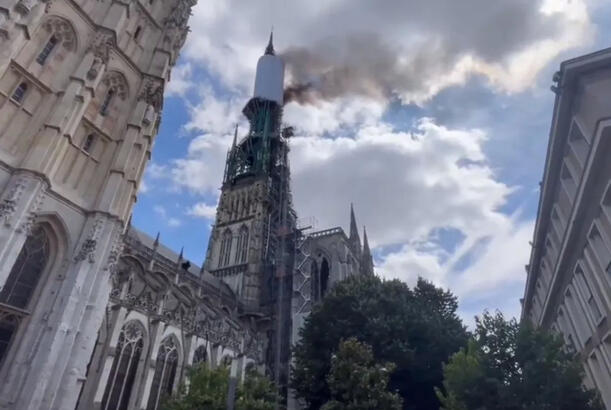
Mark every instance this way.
x=180 y=82
x=203 y=210
x=170 y=221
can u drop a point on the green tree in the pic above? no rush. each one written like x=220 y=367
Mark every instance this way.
x=416 y=329
x=256 y=393
x=356 y=382
x=207 y=389
x=512 y=366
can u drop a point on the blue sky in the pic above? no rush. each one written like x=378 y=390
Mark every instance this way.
x=441 y=152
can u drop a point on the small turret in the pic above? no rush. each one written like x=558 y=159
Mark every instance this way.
x=367 y=258
x=354 y=239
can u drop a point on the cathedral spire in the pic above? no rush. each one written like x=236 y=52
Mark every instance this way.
x=367 y=259
x=269 y=50
x=355 y=240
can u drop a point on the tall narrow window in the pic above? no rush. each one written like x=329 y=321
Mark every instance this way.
x=242 y=246
x=124 y=367
x=165 y=372
x=588 y=295
x=314 y=278
x=225 y=253
x=19 y=93
x=137 y=32
x=46 y=51
x=324 y=277
x=88 y=143
x=21 y=284
x=199 y=356
x=106 y=103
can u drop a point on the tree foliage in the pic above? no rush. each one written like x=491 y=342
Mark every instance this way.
x=207 y=389
x=509 y=366
x=356 y=382
x=416 y=329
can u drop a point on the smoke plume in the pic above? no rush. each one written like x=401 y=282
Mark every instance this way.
x=420 y=47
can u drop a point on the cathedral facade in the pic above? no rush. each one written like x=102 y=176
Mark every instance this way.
x=568 y=287
x=95 y=314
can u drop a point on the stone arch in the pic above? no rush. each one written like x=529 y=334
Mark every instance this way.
x=41 y=257
x=166 y=371
x=116 y=81
x=130 y=354
x=63 y=30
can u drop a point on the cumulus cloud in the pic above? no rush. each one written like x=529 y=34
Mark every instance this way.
x=170 y=221
x=203 y=210
x=180 y=82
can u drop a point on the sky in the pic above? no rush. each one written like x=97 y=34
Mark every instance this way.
x=431 y=116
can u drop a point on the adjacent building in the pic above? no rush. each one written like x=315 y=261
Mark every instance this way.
x=93 y=313
x=568 y=287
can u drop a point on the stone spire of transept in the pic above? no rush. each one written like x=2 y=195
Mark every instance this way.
x=354 y=238
x=367 y=258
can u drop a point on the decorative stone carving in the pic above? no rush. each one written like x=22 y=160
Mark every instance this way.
x=100 y=47
x=28 y=221
x=116 y=81
x=176 y=26
x=89 y=245
x=9 y=204
x=115 y=252
x=62 y=29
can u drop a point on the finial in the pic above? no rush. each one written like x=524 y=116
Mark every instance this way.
x=270 y=46
x=156 y=243
x=180 y=256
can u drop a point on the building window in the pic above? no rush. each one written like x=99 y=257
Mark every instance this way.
x=21 y=284
x=165 y=373
x=242 y=248
x=588 y=296
x=124 y=367
x=225 y=249
x=88 y=143
x=106 y=103
x=314 y=279
x=324 y=277
x=137 y=32
x=19 y=93
x=46 y=51
x=200 y=356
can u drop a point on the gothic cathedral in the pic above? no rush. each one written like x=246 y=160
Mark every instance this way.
x=95 y=314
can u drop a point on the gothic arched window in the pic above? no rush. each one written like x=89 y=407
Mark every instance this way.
x=324 y=277
x=106 y=103
x=46 y=51
x=27 y=270
x=314 y=279
x=21 y=284
x=88 y=143
x=124 y=367
x=242 y=246
x=165 y=373
x=225 y=253
x=19 y=93
x=200 y=355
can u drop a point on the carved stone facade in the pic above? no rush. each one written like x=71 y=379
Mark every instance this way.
x=568 y=288
x=81 y=87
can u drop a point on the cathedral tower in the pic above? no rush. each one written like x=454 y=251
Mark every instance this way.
x=250 y=247
x=81 y=93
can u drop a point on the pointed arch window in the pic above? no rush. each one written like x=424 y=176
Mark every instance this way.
x=324 y=277
x=19 y=93
x=47 y=49
x=88 y=143
x=200 y=356
x=225 y=254
x=165 y=373
x=124 y=367
x=314 y=279
x=21 y=284
x=242 y=246
x=106 y=103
